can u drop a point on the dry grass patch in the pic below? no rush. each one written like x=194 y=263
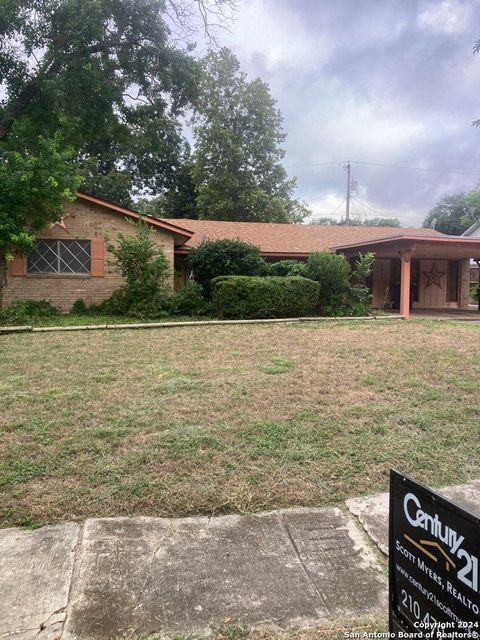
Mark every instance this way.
x=230 y=631
x=210 y=420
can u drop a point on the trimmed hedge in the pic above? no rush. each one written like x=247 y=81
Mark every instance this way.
x=249 y=297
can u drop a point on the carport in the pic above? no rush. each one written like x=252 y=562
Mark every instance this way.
x=418 y=272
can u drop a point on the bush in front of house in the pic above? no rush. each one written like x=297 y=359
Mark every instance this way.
x=343 y=291
x=332 y=272
x=25 y=311
x=359 y=298
x=215 y=258
x=189 y=301
x=249 y=297
x=80 y=307
x=145 y=270
x=285 y=268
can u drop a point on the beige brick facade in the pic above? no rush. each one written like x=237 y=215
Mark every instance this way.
x=83 y=221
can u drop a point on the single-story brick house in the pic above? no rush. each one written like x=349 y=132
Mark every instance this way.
x=69 y=260
x=413 y=268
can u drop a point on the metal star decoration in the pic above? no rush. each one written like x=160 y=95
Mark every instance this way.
x=433 y=276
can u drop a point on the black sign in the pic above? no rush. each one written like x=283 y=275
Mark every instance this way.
x=434 y=564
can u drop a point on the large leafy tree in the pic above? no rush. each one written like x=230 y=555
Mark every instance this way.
x=105 y=74
x=454 y=213
x=358 y=222
x=90 y=90
x=35 y=181
x=179 y=200
x=237 y=167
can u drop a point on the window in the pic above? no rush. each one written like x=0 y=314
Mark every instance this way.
x=452 y=292
x=60 y=256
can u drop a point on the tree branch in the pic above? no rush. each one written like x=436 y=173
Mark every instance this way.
x=49 y=70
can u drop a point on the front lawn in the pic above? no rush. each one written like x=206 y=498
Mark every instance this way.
x=222 y=419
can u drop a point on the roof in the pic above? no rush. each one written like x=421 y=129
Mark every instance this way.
x=424 y=246
x=413 y=237
x=294 y=240
x=181 y=235
x=472 y=228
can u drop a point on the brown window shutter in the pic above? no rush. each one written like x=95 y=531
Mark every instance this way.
x=98 y=258
x=17 y=266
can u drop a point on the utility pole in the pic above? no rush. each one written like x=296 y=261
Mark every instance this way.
x=349 y=186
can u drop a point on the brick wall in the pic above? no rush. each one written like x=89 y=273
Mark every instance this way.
x=84 y=221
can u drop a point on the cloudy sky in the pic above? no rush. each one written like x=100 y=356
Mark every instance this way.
x=386 y=82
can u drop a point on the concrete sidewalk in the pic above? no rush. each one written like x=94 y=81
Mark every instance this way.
x=129 y=577
x=372 y=511
x=122 y=577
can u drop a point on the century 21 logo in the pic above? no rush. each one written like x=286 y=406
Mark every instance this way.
x=417 y=517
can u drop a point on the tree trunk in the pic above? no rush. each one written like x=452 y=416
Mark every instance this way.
x=3 y=277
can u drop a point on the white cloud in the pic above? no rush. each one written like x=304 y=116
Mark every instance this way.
x=277 y=38
x=447 y=16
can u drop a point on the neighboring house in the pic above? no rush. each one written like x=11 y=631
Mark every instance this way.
x=69 y=261
x=473 y=231
x=414 y=267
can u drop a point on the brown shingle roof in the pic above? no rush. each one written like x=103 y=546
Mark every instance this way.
x=288 y=239
x=180 y=233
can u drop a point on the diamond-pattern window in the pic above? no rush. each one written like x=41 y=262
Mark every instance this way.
x=60 y=256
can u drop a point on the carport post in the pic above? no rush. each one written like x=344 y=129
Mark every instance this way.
x=405 y=283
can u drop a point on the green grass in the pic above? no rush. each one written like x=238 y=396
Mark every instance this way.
x=278 y=365
x=232 y=419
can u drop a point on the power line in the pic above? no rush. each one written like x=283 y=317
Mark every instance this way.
x=398 y=166
x=337 y=207
x=314 y=164
x=380 y=164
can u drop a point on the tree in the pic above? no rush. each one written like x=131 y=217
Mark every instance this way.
x=106 y=75
x=237 y=171
x=215 y=258
x=34 y=185
x=97 y=85
x=358 y=222
x=179 y=200
x=454 y=213
x=382 y=222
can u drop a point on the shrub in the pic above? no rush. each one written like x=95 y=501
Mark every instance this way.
x=343 y=292
x=145 y=269
x=286 y=268
x=363 y=269
x=332 y=272
x=189 y=301
x=215 y=258
x=264 y=297
x=355 y=302
x=122 y=303
x=79 y=307
x=24 y=311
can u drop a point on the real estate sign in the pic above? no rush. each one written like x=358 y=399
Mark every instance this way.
x=434 y=564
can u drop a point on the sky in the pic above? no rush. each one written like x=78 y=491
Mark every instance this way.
x=376 y=82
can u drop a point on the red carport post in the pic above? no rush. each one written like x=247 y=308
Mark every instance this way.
x=405 y=283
